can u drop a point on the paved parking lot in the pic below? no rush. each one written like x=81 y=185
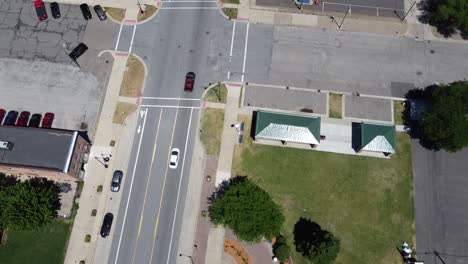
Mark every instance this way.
x=283 y=99
x=23 y=36
x=368 y=108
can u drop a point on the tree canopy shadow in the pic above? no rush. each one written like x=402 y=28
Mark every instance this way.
x=307 y=234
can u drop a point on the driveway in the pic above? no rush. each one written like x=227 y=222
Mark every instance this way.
x=368 y=108
x=441 y=205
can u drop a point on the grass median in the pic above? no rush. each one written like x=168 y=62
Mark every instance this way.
x=211 y=129
x=134 y=76
x=398 y=108
x=216 y=94
x=149 y=11
x=116 y=13
x=230 y=12
x=122 y=111
x=336 y=101
x=366 y=202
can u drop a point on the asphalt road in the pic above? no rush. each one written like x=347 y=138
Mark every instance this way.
x=440 y=185
x=182 y=39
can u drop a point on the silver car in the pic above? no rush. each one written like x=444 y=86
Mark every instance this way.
x=116 y=180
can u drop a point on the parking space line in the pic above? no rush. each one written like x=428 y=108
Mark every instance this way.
x=133 y=37
x=147 y=185
x=180 y=184
x=118 y=37
x=131 y=186
x=189 y=8
x=245 y=51
x=163 y=188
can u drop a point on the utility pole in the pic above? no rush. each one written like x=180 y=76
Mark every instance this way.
x=342 y=21
x=407 y=12
x=139 y=6
x=187 y=256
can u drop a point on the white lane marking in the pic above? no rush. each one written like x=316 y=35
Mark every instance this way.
x=172 y=106
x=118 y=37
x=170 y=98
x=163 y=187
x=139 y=129
x=147 y=186
x=229 y=75
x=189 y=8
x=131 y=186
x=232 y=38
x=190 y=1
x=133 y=37
x=245 y=52
x=178 y=190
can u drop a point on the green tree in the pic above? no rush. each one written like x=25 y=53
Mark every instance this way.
x=314 y=243
x=247 y=209
x=28 y=205
x=281 y=249
x=451 y=14
x=446 y=123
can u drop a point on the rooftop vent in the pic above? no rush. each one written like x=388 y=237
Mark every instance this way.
x=5 y=145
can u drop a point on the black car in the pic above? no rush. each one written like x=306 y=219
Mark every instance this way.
x=100 y=12
x=107 y=224
x=54 y=7
x=10 y=119
x=78 y=51
x=116 y=180
x=85 y=11
x=35 y=120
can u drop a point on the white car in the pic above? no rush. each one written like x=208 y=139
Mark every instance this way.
x=174 y=158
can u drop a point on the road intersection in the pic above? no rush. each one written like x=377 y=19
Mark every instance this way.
x=193 y=36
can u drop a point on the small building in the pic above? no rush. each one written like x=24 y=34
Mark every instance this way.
x=377 y=138
x=37 y=152
x=286 y=128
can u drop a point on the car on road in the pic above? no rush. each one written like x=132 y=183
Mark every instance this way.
x=100 y=12
x=48 y=120
x=85 y=11
x=2 y=115
x=189 y=81
x=174 y=160
x=23 y=119
x=40 y=10
x=116 y=180
x=78 y=51
x=35 y=120
x=107 y=224
x=54 y=7
x=10 y=119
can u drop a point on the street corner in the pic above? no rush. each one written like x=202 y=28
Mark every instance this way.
x=130 y=17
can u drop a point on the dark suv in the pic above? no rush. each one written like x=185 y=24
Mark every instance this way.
x=54 y=7
x=11 y=117
x=78 y=51
x=85 y=11
x=100 y=12
x=106 y=225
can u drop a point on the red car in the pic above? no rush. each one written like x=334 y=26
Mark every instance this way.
x=23 y=119
x=48 y=120
x=189 y=81
x=40 y=10
x=2 y=115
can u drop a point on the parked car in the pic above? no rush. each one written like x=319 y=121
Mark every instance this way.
x=48 y=120
x=85 y=11
x=2 y=115
x=23 y=119
x=54 y=7
x=116 y=180
x=35 y=120
x=11 y=117
x=174 y=160
x=40 y=10
x=78 y=51
x=106 y=224
x=189 y=81
x=100 y=12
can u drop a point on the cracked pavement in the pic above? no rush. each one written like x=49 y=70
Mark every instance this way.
x=23 y=36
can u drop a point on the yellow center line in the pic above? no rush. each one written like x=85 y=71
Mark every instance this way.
x=164 y=186
x=147 y=185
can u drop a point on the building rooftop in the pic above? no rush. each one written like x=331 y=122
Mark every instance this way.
x=287 y=127
x=378 y=138
x=37 y=147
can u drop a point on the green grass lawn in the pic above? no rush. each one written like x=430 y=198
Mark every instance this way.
x=398 y=108
x=212 y=122
x=216 y=94
x=366 y=202
x=230 y=12
x=335 y=105
x=47 y=245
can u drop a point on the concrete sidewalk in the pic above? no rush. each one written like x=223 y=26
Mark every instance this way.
x=229 y=139
x=96 y=174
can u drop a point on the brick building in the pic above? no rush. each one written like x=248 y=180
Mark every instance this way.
x=52 y=153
